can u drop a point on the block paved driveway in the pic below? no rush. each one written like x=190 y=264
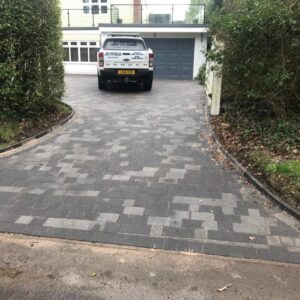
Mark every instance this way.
x=134 y=168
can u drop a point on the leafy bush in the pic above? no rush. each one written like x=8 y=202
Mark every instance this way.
x=31 y=69
x=201 y=75
x=261 y=58
x=276 y=134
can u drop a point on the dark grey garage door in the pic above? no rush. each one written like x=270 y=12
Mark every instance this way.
x=174 y=58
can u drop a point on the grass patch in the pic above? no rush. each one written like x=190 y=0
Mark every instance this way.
x=8 y=132
x=283 y=175
x=63 y=108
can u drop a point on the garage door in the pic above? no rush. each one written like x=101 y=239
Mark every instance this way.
x=174 y=58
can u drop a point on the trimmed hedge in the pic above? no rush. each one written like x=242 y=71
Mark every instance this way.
x=31 y=68
x=261 y=59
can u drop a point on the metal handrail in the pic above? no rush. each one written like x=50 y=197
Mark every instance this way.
x=136 y=14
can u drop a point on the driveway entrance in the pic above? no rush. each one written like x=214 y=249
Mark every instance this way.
x=134 y=168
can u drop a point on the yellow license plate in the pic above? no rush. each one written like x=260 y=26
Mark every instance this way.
x=126 y=72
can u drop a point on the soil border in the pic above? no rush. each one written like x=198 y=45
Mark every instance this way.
x=251 y=178
x=41 y=133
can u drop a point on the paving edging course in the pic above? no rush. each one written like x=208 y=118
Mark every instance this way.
x=252 y=179
x=41 y=133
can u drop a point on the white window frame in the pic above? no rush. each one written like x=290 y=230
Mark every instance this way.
x=78 y=45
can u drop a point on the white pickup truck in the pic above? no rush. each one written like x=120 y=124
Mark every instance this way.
x=125 y=57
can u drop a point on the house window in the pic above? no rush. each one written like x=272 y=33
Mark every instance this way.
x=66 y=54
x=74 y=54
x=84 y=54
x=86 y=9
x=95 y=9
x=93 y=54
x=80 y=51
x=92 y=6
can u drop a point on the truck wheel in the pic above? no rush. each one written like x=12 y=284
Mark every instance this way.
x=147 y=85
x=102 y=83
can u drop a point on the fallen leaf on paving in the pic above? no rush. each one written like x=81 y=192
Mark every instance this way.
x=94 y=274
x=224 y=288
x=252 y=238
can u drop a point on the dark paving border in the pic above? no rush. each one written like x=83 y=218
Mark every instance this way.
x=206 y=247
x=252 y=179
x=40 y=134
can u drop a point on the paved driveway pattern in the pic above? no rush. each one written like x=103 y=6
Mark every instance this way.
x=134 y=168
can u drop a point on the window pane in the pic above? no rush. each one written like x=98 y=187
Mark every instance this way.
x=74 y=43
x=95 y=9
x=83 y=43
x=93 y=54
x=66 y=54
x=94 y=1
x=93 y=43
x=103 y=1
x=85 y=1
x=74 y=54
x=124 y=44
x=86 y=9
x=84 y=54
x=65 y=43
x=103 y=9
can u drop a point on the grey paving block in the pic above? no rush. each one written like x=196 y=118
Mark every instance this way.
x=24 y=220
x=128 y=203
x=201 y=234
x=69 y=224
x=135 y=229
x=274 y=240
x=11 y=189
x=156 y=230
x=108 y=217
x=181 y=214
x=111 y=227
x=138 y=211
x=159 y=221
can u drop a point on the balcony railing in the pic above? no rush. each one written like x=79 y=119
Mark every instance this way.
x=135 y=14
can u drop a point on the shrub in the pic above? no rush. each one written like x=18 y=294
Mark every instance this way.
x=31 y=69
x=261 y=59
x=201 y=75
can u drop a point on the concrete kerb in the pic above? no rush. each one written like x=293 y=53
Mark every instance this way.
x=40 y=134
x=250 y=178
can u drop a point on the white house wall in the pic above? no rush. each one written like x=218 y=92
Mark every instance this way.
x=81 y=35
x=76 y=17
x=199 y=54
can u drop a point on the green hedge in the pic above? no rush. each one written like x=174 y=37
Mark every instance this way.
x=31 y=68
x=261 y=60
